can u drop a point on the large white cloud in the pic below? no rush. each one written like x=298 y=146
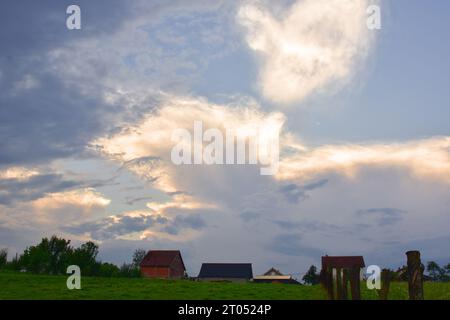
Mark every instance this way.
x=311 y=45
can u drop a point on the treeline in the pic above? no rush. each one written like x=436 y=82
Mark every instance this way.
x=434 y=272
x=54 y=255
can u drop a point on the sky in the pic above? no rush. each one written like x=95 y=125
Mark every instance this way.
x=363 y=120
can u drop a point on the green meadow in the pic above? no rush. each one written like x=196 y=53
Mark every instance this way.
x=29 y=286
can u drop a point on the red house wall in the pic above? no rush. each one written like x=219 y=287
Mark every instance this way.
x=155 y=272
x=177 y=268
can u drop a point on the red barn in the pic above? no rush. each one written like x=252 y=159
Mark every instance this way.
x=166 y=264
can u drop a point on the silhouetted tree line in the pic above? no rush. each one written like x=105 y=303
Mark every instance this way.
x=54 y=255
x=434 y=272
x=438 y=273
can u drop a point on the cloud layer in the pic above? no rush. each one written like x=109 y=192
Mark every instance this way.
x=309 y=46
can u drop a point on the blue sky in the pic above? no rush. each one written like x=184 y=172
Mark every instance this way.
x=86 y=118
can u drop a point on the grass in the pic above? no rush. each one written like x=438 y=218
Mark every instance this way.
x=29 y=286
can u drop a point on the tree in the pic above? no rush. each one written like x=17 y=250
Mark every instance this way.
x=311 y=277
x=138 y=256
x=49 y=256
x=435 y=272
x=85 y=257
x=3 y=257
x=128 y=270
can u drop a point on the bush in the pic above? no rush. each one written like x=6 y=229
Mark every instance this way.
x=129 y=271
x=108 y=270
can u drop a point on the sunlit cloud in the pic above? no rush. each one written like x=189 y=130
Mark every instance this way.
x=311 y=45
x=145 y=147
x=19 y=173
x=428 y=158
x=87 y=198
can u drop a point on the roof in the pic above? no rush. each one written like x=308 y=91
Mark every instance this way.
x=161 y=258
x=343 y=261
x=273 y=271
x=226 y=270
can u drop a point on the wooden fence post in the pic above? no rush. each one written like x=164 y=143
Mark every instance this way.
x=385 y=284
x=355 y=284
x=344 y=284
x=415 y=275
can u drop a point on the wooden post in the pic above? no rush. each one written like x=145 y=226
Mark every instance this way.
x=330 y=285
x=415 y=275
x=355 y=284
x=326 y=279
x=385 y=284
x=344 y=284
x=339 y=284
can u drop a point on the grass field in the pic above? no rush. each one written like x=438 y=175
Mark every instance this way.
x=28 y=286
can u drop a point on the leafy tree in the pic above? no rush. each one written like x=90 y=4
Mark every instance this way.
x=311 y=277
x=138 y=256
x=85 y=257
x=3 y=257
x=435 y=271
x=49 y=256
x=438 y=273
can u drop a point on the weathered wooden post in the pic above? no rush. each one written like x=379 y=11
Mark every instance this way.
x=385 y=284
x=339 y=291
x=326 y=279
x=355 y=283
x=348 y=269
x=415 y=275
x=344 y=284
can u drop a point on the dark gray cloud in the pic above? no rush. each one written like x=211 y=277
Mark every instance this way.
x=383 y=216
x=295 y=193
x=41 y=116
x=248 y=216
x=291 y=244
x=288 y=225
x=180 y=222
x=13 y=190
x=111 y=228
x=35 y=187
x=30 y=26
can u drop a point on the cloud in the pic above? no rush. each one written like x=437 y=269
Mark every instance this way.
x=50 y=211
x=115 y=226
x=145 y=224
x=384 y=216
x=313 y=44
x=87 y=197
x=19 y=184
x=291 y=244
x=248 y=216
x=427 y=158
x=295 y=193
x=145 y=147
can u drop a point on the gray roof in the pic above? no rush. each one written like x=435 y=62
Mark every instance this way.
x=226 y=270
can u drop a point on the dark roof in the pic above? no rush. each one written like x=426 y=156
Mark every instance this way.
x=161 y=258
x=343 y=261
x=273 y=271
x=226 y=270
